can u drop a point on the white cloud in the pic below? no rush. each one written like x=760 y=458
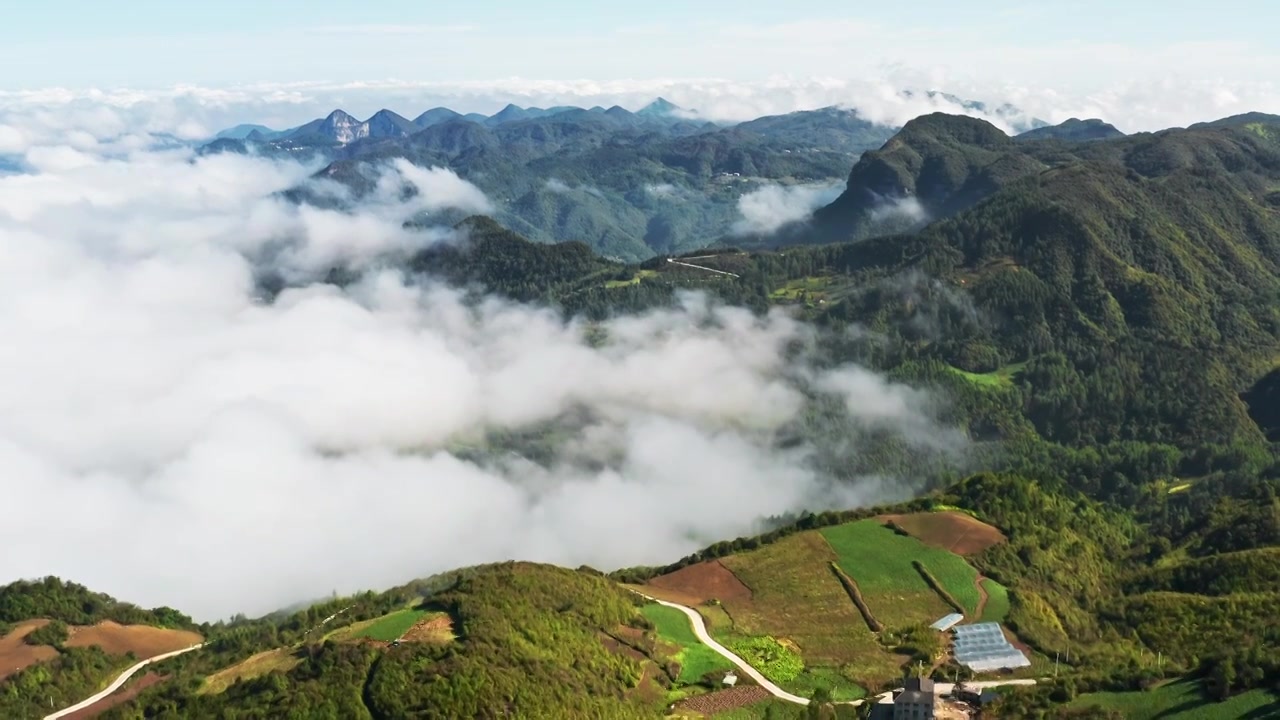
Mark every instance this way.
x=200 y=447
x=441 y=188
x=662 y=190
x=12 y=140
x=560 y=187
x=772 y=206
x=123 y=119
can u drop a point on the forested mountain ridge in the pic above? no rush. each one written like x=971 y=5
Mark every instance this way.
x=949 y=163
x=630 y=185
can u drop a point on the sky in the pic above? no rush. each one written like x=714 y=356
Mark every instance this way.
x=200 y=66
x=149 y=43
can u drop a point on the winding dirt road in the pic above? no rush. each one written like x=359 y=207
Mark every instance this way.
x=118 y=683
x=700 y=630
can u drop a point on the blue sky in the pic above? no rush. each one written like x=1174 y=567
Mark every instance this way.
x=154 y=43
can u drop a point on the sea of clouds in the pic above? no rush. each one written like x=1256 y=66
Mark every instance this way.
x=171 y=434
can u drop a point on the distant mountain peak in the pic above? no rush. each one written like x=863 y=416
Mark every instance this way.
x=1073 y=130
x=659 y=108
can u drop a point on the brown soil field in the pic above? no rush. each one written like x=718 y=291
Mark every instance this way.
x=130 y=691
x=704 y=581
x=796 y=597
x=16 y=654
x=143 y=641
x=721 y=701
x=436 y=629
x=952 y=531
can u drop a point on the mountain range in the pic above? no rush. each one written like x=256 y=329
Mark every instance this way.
x=1099 y=315
x=629 y=184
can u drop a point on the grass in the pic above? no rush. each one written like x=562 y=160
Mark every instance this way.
x=796 y=597
x=879 y=560
x=997 y=608
x=695 y=658
x=1182 y=700
x=773 y=659
x=280 y=659
x=392 y=626
x=842 y=688
x=639 y=277
x=1003 y=377
x=813 y=288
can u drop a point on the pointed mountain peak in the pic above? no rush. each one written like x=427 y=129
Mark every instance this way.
x=341 y=116
x=659 y=107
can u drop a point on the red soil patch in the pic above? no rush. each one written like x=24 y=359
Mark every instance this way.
x=437 y=629
x=952 y=531
x=119 y=697
x=702 y=582
x=16 y=654
x=142 y=640
x=724 y=700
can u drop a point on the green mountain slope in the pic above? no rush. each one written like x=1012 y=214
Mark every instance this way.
x=526 y=640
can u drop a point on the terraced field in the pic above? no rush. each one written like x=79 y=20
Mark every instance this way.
x=796 y=597
x=880 y=561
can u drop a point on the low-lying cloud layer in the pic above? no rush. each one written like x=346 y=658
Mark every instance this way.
x=171 y=437
x=125 y=119
x=768 y=208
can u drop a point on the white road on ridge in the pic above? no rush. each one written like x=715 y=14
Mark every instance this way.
x=118 y=683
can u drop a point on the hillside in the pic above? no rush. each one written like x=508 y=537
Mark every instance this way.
x=1063 y=573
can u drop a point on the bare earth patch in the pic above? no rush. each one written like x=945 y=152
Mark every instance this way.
x=952 y=531
x=143 y=641
x=721 y=701
x=704 y=581
x=119 y=697
x=16 y=654
x=435 y=629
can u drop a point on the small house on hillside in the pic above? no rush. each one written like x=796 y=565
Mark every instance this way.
x=730 y=679
x=917 y=702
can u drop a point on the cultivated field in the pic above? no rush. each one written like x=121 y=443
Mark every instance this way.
x=722 y=701
x=1183 y=701
x=695 y=658
x=949 y=530
x=392 y=625
x=701 y=582
x=16 y=654
x=281 y=659
x=879 y=560
x=796 y=597
x=997 y=608
x=143 y=641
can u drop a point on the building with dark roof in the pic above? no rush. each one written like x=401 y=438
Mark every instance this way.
x=916 y=702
